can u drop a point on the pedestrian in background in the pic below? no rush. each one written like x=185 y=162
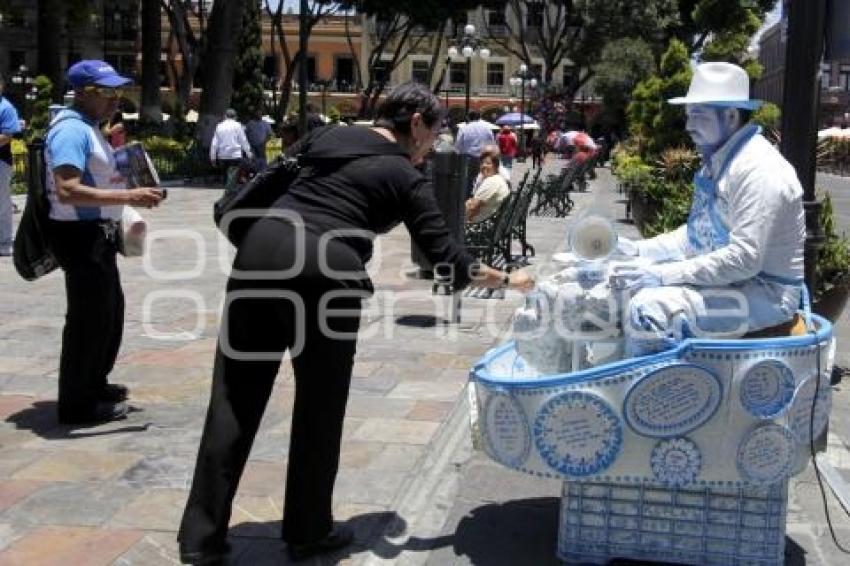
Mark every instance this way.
x=471 y=139
x=229 y=146
x=507 y=142
x=115 y=131
x=9 y=126
x=258 y=132
x=87 y=195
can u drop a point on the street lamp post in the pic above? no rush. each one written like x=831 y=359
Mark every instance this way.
x=469 y=46
x=520 y=79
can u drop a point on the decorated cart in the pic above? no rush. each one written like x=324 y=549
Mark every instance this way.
x=682 y=456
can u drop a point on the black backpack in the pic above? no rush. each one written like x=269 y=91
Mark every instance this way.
x=32 y=255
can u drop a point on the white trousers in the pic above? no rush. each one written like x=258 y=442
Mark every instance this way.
x=659 y=317
x=5 y=207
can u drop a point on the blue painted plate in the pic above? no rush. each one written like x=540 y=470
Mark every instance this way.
x=766 y=389
x=578 y=434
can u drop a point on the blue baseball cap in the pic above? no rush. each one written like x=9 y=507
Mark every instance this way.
x=94 y=72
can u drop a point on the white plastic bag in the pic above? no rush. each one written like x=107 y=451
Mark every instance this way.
x=134 y=230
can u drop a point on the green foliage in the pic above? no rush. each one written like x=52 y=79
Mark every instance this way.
x=622 y=64
x=248 y=74
x=649 y=114
x=834 y=257
x=40 y=107
x=769 y=116
x=334 y=114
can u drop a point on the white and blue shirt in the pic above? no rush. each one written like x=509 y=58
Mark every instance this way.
x=10 y=125
x=78 y=142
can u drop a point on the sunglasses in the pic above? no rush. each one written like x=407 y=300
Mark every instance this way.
x=106 y=92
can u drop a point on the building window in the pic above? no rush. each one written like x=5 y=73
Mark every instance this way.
x=825 y=72
x=457 y=74
x=311 y=69
x=382 y=72
x=16 y=59
x=568 y=75
x=534 y=14
x=419 y=72
x=496 y=17
x=495 y=74
x=844 y=77
x=344 y=73
x=537 y=71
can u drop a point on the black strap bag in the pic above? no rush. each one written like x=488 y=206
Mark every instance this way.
x=31 y=251
x=236 y=211
x=32 y=255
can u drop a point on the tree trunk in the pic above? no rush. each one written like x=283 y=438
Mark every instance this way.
x=151 y=109
x=49 y=32
x=219 y=61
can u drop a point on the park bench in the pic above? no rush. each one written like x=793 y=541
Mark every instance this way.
x=553 y=195
x=520 y=216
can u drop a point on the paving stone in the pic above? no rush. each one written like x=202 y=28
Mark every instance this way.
x=13 y=491
x=396 y=430
x=9 y=533
x=263 y=479
x=256 y=516
x=365 y=486
x=357 y=454
x=78 y=504
x=160 y=472
x=427 y=390
x=14 y=458
x=398 y=458
x=153 y=548
x=435 y=411
x=362 y=405
x=373 y=384
x=69 y=546
x=152 y=510
x=78 y=466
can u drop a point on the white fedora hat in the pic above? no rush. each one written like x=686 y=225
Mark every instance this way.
x=719 y=84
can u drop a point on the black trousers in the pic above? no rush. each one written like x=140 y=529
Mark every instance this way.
x=263 y=319
x=94 y=321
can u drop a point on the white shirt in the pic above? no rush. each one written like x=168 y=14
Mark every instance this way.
x=472 y=138
x=229 y=141
x=761 y=201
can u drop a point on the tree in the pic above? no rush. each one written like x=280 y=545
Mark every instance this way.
x=50 y=13
x=219 y=59
x=622 y=64
x=248 y=75
x=660 y=124
x=577 y=31
x=318 y=10
x=151 y=109
x=189 y=43
x=400 y=28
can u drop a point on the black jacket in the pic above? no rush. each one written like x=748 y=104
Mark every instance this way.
x=357 y=179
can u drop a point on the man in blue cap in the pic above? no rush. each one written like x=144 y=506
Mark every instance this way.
x=87 y=195
x=9 y=126
x=736 y=266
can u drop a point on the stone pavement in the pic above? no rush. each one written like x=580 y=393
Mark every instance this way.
x=114 y=493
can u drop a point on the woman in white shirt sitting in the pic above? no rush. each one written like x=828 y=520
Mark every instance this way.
x=489 y=191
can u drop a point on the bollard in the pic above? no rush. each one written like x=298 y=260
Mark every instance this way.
x=448 y=175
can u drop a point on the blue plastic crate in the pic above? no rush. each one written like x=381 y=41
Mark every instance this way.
x=600 y=522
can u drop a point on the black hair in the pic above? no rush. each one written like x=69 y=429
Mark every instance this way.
x=403 y=102
x=746 y=115
x=473 y=115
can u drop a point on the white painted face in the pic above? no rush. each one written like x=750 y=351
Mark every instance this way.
x=705 y=125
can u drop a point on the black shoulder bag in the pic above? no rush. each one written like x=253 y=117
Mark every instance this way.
x=236 y=211
x=32 y=255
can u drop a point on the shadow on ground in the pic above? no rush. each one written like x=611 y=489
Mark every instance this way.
x=259 y=544
x=41 y=419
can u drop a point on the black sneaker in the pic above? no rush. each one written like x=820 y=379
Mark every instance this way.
x=211 y=557
x=341 y=536
x=102 y=413
x=114 y=393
